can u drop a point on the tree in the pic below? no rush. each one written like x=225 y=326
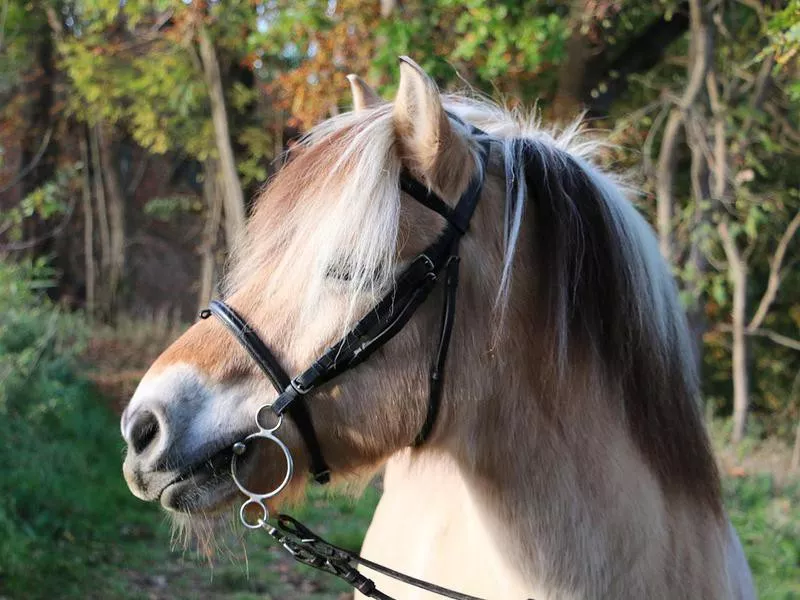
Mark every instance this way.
x=732 y=203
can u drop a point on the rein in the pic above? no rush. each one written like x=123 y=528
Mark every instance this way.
x=439 y=261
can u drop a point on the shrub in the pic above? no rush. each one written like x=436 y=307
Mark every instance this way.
x=59 y=446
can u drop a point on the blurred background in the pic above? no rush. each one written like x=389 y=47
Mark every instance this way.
x=134 y=135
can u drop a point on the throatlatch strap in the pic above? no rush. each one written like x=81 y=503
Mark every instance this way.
x=436 y=381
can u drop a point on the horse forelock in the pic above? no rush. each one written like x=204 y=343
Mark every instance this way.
x=333 y=208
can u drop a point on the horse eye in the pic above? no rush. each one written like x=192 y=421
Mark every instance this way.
x=339 y=272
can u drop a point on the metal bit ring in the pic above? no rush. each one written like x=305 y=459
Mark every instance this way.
x=254 y=498
x=261 y=521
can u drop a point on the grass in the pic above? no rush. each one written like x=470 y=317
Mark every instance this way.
x=767 y=518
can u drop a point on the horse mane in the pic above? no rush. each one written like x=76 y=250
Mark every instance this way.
x=601 y=284
x=604 y=286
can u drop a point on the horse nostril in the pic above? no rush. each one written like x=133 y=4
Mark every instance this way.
x=144 y=431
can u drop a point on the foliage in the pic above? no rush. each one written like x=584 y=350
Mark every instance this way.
x=53 y=432
x=744 y=124
x=784 y=41
x=165 y=209
x=151 y=84
x=50 y=200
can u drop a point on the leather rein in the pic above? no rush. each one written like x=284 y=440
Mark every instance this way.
x=439 y=261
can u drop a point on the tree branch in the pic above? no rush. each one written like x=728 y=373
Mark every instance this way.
x=775 y=274
x=778 y=338
x=787 y=129
x=700 y=50
x=647 y=147
x=640 y=55
x=665 y=174
x=134 y=182
x=31 y=165
x=33 y=242
x=757 y=7
x=720 y=161
x=728 y=244
x=701 y=53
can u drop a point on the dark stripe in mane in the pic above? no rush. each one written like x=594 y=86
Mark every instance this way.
x=595 y=293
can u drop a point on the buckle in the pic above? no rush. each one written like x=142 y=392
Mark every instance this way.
x=301 y=389
x=427 y=260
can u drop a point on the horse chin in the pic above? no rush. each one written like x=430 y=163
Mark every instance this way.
x=204 y=488
x=211 y=497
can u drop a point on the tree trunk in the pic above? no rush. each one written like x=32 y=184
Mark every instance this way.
x=116 y=222
x=231 y=187
x=39 y=155
x=572 y=75
x=700 y=51
x=214 y=213
x=665 y=174
x=100 y=197
x=387 y=8
x=88 y=227
x=697 y=263
x=741 y=374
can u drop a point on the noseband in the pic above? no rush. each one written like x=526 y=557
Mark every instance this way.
x=439 y=261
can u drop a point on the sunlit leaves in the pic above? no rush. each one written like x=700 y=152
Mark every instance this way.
x=49 y=200
x=171 y=207
x=260 y=149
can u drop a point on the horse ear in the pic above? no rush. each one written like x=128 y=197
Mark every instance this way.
x=363 y=95
x=427 y=141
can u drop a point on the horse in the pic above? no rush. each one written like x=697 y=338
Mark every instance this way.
x=568 y=457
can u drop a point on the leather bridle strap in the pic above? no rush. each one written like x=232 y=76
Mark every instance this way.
x=380 y=324
x=266 y=361
x=308 y=548
x=249 y=339
x=436 y=379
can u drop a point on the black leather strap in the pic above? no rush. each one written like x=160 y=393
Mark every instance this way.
x=267 y=362
x=436 y=381
x=310 y=549
x=380 y=325
x=430 y=199
x=248 y=338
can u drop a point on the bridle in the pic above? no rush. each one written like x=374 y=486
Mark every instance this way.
x=439 y=261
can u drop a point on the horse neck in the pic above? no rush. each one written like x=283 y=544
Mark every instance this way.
x=567 y=498
x=554 y=469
